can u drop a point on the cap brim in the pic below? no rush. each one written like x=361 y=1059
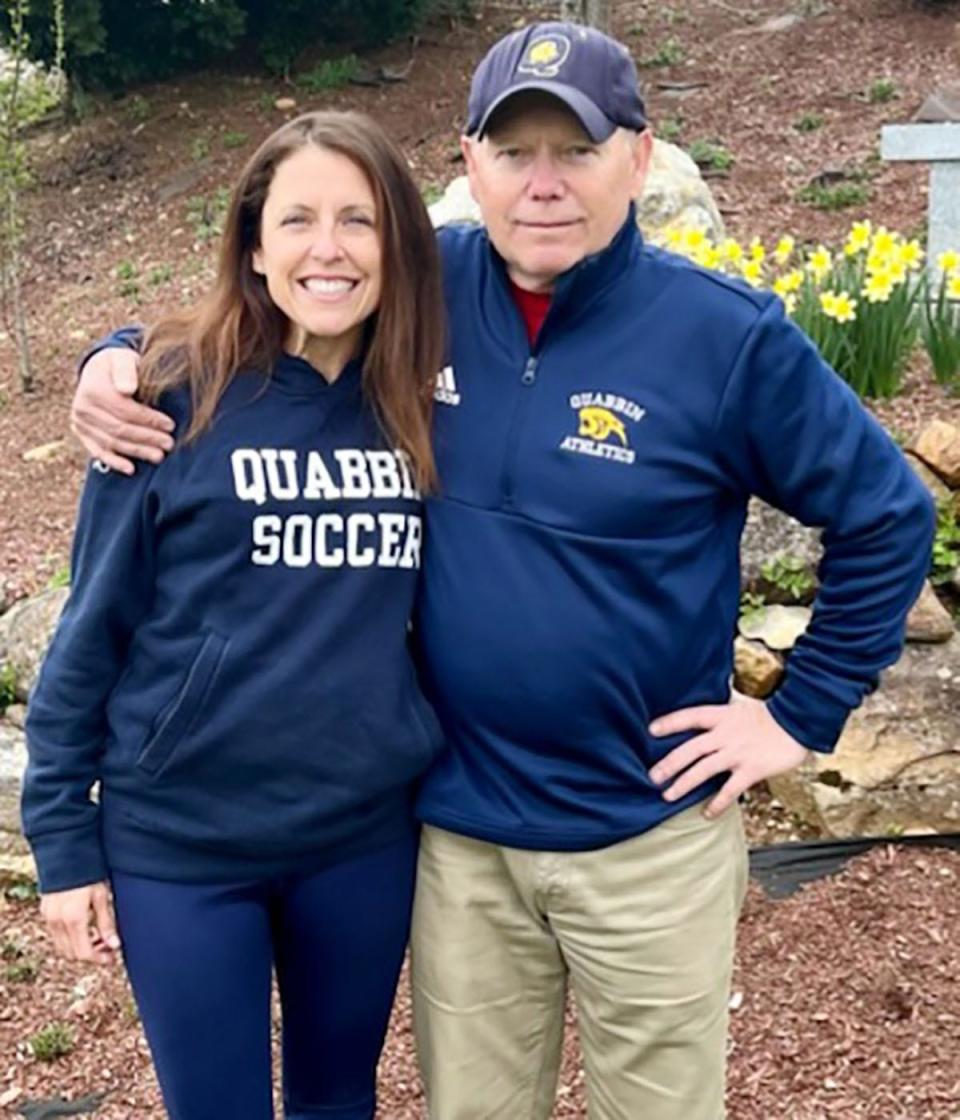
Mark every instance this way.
x=597 y=125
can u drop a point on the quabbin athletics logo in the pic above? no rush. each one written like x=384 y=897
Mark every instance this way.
x=602 y=426
x=545 y=56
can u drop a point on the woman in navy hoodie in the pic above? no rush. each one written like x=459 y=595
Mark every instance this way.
x=231 y=668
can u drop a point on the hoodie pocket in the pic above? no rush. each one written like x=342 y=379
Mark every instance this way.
x=176 y=721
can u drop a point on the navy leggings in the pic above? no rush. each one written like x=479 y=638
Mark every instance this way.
x=200 y=960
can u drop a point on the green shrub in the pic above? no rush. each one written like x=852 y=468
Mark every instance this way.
x=946 y=545
x=52 y=1042
x=882 y=90
x=710 y=155
x=332 y=73
x=809 y=122
x=834 y=196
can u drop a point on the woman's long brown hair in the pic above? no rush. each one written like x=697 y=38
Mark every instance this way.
x=237 y=325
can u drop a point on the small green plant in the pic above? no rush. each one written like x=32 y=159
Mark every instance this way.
x=234 y=139
x=669 y=53
x=266 y=101
x=332 y=73
x=752 y=606
x=25 y=890
x=52 y=1042
x=11 y=949
x=809 y=122
x=669 y=129
x=207 y=213
x=834 y=196
x=21 y=972
x=946 y=544
x=789 y=575
x=674 y=16
x=159 y=274
x=431 y=193
x=127 y=286
x=139 y=109
x=940 y=323
x=200 y=147
x=711 y=155
x=882 y=90
x=8 y=685
x=60 y=578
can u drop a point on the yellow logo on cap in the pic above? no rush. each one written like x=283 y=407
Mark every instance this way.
x=545 y=56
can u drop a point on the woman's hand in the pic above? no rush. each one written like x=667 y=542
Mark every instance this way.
x=81 y=923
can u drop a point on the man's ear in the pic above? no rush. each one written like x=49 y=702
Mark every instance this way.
x=642 y=156
x=469 y=150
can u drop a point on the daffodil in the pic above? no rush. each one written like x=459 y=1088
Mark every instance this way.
x=953 y=286
x=673 y=238
x=859 y=238
x=784 y=249
x=820 y=262
x=839 y=306
x=884 y=242
x=791 y=281
x=709 y=257
x=878 y=288
x=948 y=261
x=911 y=254
x=753 y=273
x=790 y=302
x=731 y=251
x=693 y=239
x=757 y=252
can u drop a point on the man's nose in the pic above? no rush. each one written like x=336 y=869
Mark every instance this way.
x=545 y=181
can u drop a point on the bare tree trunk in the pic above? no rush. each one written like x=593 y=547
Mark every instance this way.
x=596 y=13
x=24 y=357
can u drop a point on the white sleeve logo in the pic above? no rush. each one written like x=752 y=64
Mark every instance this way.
x=446 y=390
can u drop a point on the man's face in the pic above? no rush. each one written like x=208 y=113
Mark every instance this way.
x=549 y=195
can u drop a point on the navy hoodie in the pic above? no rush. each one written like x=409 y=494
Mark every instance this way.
x=232 y=662
x=581 y=573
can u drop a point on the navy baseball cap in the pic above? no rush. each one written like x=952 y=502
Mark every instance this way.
x=588 y=71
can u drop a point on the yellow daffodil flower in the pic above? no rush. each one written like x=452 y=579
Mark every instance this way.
x=674 y=238
x=859 y=238
x=785 y=247
x=911 y=254
x=757 y=252
x=694 y=239
x=790 y=302
x=884 y=242
x=953 y=286
x=839 y=306
x=820 y=262
x=948 y=261
x=731 y=251
x=791 y=281
x=878 y=288
x=753 y=273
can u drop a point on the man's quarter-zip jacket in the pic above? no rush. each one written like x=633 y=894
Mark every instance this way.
x=581 y=568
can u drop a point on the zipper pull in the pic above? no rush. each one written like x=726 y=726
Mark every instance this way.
x=529 y=372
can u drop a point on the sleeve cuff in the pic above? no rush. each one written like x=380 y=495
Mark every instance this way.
x=816 y=721
x=68 y=859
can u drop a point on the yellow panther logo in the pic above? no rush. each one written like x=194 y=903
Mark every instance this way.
x=600 y=423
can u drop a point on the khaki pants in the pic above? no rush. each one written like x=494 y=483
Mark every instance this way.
x=643 y=930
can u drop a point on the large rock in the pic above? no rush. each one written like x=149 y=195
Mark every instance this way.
x=15 y=859
x=776 y=626
x=939 y=490
x=25 y=633
x=674 y=196
x=897 y=765
x=756 y=670
x=769 y=533
x=929 y=620
x=938 y=445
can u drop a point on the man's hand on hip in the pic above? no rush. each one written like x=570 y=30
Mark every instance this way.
x=740 y=737
x=110 y=424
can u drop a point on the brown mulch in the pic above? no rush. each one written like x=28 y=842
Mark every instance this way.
x=847 y=997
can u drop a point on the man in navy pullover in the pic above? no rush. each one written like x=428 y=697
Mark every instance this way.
x=606 y=413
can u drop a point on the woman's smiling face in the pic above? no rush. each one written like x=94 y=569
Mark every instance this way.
x=320 y=251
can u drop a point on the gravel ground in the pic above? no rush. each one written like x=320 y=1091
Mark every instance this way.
x=847 y=997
